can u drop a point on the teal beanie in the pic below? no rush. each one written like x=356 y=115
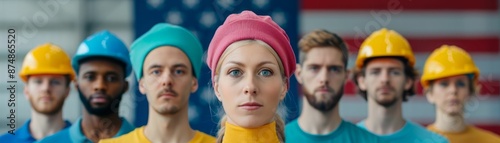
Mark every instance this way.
x=164 y=34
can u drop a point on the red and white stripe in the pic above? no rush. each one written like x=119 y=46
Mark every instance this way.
x=427 y=24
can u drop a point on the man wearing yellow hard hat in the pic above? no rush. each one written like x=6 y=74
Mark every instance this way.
x=384 y=74
x=450 y=79
x=47 y=73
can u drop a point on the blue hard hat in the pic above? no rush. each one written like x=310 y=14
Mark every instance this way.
x=102 y=44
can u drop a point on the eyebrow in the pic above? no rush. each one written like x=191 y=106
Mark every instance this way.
x=180 y=65
x=155 y=66
x=174 y=66
x=241 y=64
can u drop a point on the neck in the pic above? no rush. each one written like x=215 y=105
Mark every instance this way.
x=449 y=123
x=263 y=134
x=168 y=128
x=384 y=120
x=42 y=125
x=100 y=127
x=314 y=121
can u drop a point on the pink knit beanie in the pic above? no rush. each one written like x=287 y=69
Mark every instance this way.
x=249 y=26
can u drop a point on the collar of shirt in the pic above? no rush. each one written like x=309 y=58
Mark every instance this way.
x=76 y=134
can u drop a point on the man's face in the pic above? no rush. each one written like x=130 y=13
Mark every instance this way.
x=100 y=85
x=322 y=76
x=384 y=81
x=168 y=80
x=46 y=93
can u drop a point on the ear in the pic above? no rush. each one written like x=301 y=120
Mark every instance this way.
x=216 y=88
x=125 y=87
x=298 y=71
x=478 y=89
x=142 y=88
x=409 y=83
x=429 y=95
x=361 y=82
x=194 y=86
x=68 y=90
x=26 y=92
x=346 y=76
x=285 y=90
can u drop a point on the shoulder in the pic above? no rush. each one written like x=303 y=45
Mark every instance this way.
x=201 y=137
x=7 y=137
x=132 y=136
x=485 y=133
x=61 y=136
x=292 y=124
x=422 y=132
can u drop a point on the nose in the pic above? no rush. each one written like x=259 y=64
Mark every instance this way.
x=384 y=77
x=100 y=84
x=452 y=89
x=323 y=76
x=167 y=80
x=250 y=86
x=45 y=85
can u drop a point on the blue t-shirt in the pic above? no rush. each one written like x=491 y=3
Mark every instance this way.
x=346 y=132
x=23 y=134
x=74 y=133
x=411 y=133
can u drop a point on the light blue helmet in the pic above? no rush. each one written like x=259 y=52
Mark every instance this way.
x=102 y=44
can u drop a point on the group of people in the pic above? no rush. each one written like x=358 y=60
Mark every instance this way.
x=251 y=62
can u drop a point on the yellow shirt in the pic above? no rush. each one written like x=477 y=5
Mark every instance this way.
x=470 y=135
x=137 y=136
x=264 y=134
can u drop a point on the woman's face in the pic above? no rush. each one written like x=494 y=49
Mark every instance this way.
x=450 y=94
x=250 y=85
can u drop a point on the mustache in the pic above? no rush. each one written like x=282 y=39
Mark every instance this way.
x=100 y=94
x=168 y=90
x=386 y=86
x=329 y=89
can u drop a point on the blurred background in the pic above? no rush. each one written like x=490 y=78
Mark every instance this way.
x=427 y=24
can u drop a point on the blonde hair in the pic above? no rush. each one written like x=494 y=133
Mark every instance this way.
x=280 y=124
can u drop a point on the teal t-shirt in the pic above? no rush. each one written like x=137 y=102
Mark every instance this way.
x=74 y=133
x=411 y=133
x=346 y=132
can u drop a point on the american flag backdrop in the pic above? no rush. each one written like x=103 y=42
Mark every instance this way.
x=427 y=24
x=203 y=17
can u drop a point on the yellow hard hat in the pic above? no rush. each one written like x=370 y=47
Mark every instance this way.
x=46 y=59
x=383 y=43
x=448 y=61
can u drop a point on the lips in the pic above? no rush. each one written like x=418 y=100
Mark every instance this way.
x=250 y=106
x=167 y=95
x=45 y=98
x=98 y=99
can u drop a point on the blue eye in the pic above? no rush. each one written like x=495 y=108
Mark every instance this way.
x=460 y=84
x=266 y=73
x=234 y=73
x=55 y=82
x=443 y=84
x=155 y=72
x=374 y=72
x=335 y=69
x=314 y=68
x=394 y=72
x=179 y=72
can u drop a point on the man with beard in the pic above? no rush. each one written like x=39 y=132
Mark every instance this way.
x=322 y=73
x=102 y=64
x=167 y=63
x=47 y=73
x=385 y=76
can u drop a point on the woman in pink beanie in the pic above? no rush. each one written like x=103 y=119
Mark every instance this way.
x=251 y=62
